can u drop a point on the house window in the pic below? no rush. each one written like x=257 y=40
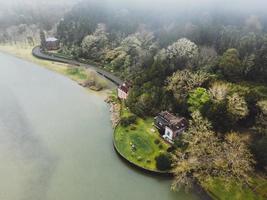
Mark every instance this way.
x=168 y=133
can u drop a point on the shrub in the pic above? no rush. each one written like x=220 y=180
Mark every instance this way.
x=198 y=98
x=72 y=70
x=139 y=158
x=231 y=65
x=127 y=121
x=170 y=149
x=94 y=81
x=237 y=106
x=163 y=162
x=156 y=141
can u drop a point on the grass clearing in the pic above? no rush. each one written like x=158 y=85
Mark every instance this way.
x=76 y=72
x=60 y=55
x=139 y=143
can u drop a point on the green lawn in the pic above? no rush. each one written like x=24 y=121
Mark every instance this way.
x=61 y=55
x=258 y=190
x=138 y=143
x=77 y=73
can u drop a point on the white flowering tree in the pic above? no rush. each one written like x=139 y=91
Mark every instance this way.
x=219 y=91
x=237 y=106
x=134 y=51
x=94 y=46
x=182 y=53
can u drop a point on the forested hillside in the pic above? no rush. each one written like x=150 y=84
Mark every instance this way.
x=21 y=21
x=206 y=63
x=209 y=65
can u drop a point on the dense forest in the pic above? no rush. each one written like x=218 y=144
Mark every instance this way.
x=210 y=66
x=21 y=21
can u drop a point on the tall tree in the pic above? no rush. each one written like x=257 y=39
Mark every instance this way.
x=259 y=149
x=237 y=107
x=182 y=82
x=260 y=71
x=206 y=156
x=219 y=91
x=134 y=52
x=228 y=37
x=43 y=40
x=261 y=119
x=93 y=46
x=182 y=53
x=197 y=99
x=230 y=65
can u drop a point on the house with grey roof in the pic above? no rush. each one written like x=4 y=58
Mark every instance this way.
x=169 y=125
x=52 y=43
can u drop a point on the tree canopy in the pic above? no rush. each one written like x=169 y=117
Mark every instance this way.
x=207 y=156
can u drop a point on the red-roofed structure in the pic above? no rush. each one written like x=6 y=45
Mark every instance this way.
x=123 y=91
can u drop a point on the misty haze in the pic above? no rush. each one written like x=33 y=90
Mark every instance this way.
x=133 y=99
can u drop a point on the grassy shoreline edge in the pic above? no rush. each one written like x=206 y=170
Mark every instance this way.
x=156 y=172
x=24 y=52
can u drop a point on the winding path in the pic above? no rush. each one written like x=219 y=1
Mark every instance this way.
x=38 y=53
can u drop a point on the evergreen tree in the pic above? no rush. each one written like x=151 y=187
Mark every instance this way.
x=43 y=40
x=230 y=65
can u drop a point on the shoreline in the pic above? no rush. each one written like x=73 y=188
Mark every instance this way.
x=133 y=164
x=24 y=52
x=141 y=126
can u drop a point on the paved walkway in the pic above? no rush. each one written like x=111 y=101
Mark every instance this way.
x=39 y=54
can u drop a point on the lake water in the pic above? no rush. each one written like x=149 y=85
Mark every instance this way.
x=56 y=142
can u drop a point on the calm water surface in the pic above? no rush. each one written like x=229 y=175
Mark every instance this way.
x=56 y=142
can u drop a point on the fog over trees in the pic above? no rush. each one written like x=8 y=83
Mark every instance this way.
x=202 y=59
x=21 y=20
x=159 y=15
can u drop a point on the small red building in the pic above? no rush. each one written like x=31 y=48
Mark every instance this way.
x=52 y=43
x=123 y=91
